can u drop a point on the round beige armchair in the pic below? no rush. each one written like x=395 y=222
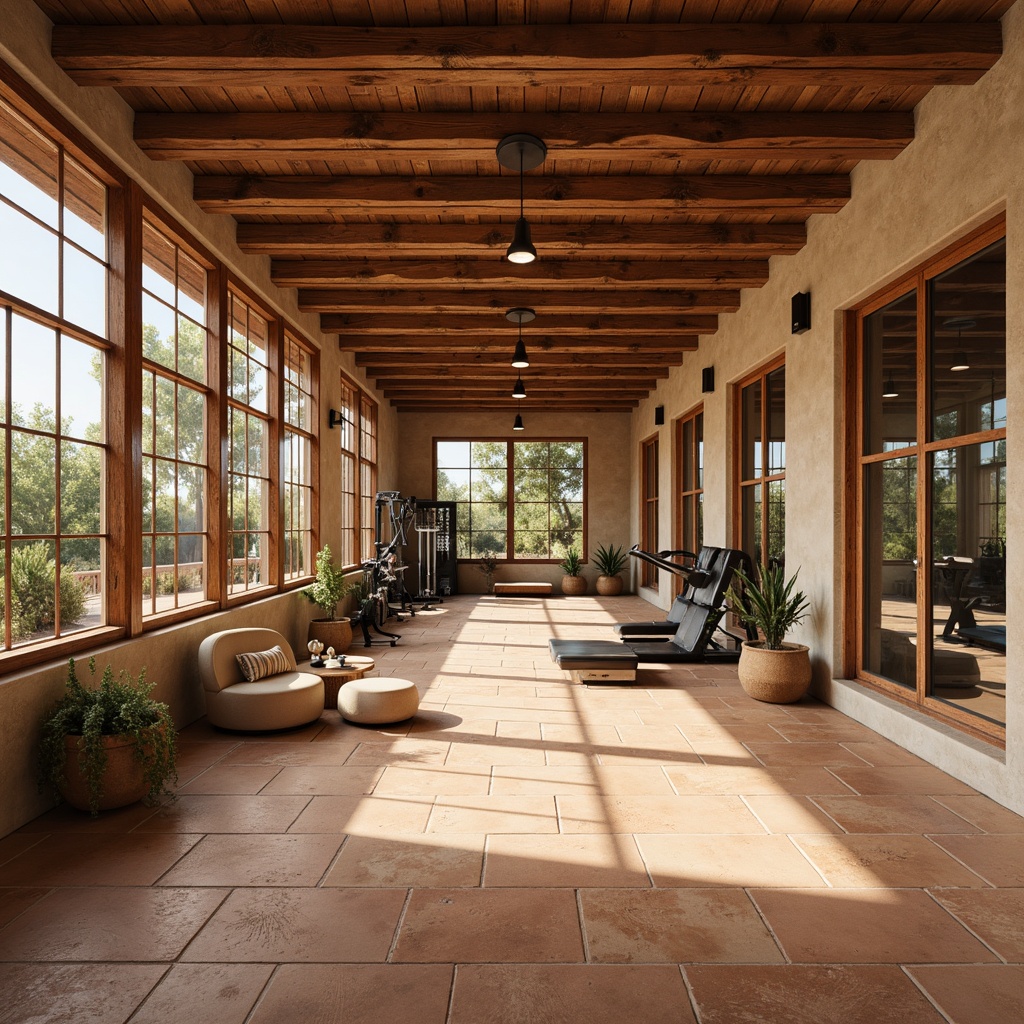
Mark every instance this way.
x=279 y=697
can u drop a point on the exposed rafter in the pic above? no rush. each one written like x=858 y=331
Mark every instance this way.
x=621 y=325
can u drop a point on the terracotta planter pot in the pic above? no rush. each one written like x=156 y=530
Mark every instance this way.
x=336 y=633
x=776 y=677
x=609 y=586
x=123 y=781
x=574 y=585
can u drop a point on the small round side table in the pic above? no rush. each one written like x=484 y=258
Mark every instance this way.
x=356 y=666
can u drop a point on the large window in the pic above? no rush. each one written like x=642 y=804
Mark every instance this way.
x=762 y=465
x=358 y=442
x=649 y=508
x=930 y=357
x=250 y=426
x=689 y=533
x=298 y=468
x=516 y=500
x=54 y=280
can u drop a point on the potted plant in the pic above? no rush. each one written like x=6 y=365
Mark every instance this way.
x=487 y=566
x=109 y=745
x=610 y=562
x=770 y=669
x=327 y=593
x=572 y=582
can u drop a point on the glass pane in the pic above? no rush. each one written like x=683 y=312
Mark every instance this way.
x=81 y=393
x=688 y=472
x=191 y=288
x=968 y=563
x=192 y=340
x=81 y=488
x=256 y=443
x=968 y=345
x=532 y=544
x=165 y=499
x=158 y=267
x=699 y=437
x=33 y=590
x=453 y=485
x=751 y=529
x=165 y=444
x=531 y=484
x=81 y=581
x=191 y=425
x=890 y=376
x=775 y=415
x=567 y=454
x=28 y=260
x=85 y=209
x=487 y=516
x=488 y=485
x=33 y=483
x=889 y=571
x=28 y=167
x=157 y=332
x=148 y=488
x=85 y=291
x=750 y=400
x=33 y=374
x=3 y=368
x=776 y=522
x=493 y=454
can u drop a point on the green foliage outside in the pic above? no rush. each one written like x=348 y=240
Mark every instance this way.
x=33 y=592
x=117 y=707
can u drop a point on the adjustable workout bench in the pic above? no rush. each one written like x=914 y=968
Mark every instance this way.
x=693 y=640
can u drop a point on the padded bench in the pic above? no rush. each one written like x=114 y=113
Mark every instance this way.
x=595 y=661
x=522 y=589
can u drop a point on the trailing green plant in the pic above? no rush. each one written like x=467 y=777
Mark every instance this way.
x=487 y=566
x=119 y=706
x=330 y=586
x=610 y=561
x=572 y=563
x=33 y=604
x=769 y=603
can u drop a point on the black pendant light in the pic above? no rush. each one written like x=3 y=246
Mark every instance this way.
x=521 y=153
x=889 y=390
x=518 y=425
x=520 y=315
x=519 y=388
x=960 y=323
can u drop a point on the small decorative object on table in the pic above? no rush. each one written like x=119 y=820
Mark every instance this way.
x=315 y=647
x=332 y=661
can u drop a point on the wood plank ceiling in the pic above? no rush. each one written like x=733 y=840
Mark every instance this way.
x=688 y=142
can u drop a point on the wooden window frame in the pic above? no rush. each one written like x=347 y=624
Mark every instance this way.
x=309 y=528
x=649 y=510
x=367 y=475
x=853 y=497
x=688 y=491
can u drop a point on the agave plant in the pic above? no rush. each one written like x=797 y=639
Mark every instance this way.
x=572 y=562
x=769 y=603
x=610 y=561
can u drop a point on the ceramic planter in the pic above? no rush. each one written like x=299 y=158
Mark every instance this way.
x=609 y=586
x=776 y=677
x=123 y=781
x=574 y=585
x=336 y=633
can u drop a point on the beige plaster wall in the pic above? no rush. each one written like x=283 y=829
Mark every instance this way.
x=170 y=654
x=608 y=471
x=964 y=167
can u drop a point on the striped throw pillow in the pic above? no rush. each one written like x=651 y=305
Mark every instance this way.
x=260 y=664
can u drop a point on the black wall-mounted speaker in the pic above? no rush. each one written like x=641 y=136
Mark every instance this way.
x=801 y=312
x=659 y=415
x=707 y=379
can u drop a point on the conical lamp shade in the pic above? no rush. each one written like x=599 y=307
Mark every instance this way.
x=521 y=250
x=518 y=425
x=519 y=389
x=519 y=359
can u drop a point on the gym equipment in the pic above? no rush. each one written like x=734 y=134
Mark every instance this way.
x=436 y=565
x=607 y=660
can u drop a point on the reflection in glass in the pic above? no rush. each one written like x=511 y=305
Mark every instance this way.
x=890 y=376
x=751 y=411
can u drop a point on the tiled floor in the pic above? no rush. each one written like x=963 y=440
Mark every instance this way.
x=528 y=850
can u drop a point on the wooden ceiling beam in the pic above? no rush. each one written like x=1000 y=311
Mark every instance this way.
x=438 y=137
x=427 y=241
x=428 y=401
x=494 y=304
x=554 y=324
x=393 y=195
x=585 y=342
x=534 y=389
x=693 y=55
x=498 y=273
x=500 y=384
x=455 y=373
x=572 y=362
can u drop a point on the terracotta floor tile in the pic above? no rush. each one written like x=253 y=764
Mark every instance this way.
x=487 y=754
x=889 y=926
x=205 y=994
x=464 y=780
x=675 y=861
x=361 y=815
x=65 y=859
x=300 y=925
x=493 y=814
x=790 y=814
x=405 y=751
x=925 y=780
x=996 y=916
x=357 y=994
x=401 y=861
x=517 y=730
x=839 y=730
x=563 y=860
x=675 y=926
x=230 y=779
x=568 y=780
x=233 y=860
x=226 y=813
x=566 y=994
x=109 y=923
x=986 y=814
x=797 y=994
x=713 y=815
x=806 y=753
x=289 y=755
x=753 y=781
x=67 y=819
x=17 y=900
x=868 y=861
x=324 y=780
x=899 y=813
x=975 y=995
x=60 y=994
x=458 y=926
x=708 y=730
x=880 y=753
x=999 y=859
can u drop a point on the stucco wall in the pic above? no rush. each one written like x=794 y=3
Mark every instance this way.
x=964 y=167
x=608 y=471
x=169 y=654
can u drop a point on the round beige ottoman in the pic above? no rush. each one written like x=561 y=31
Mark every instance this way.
x=378 y=700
